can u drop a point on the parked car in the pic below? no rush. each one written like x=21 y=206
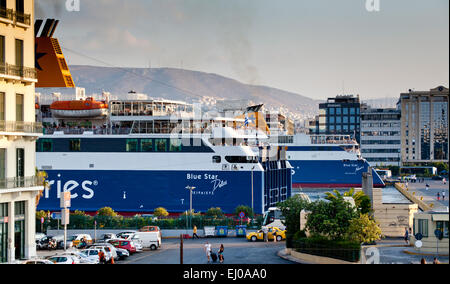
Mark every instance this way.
x=93 y=252
x=437 y=178
x=38 y=261
x=122 y=253
x=151 y=229
x=47 y=242
x=85 y=259
x=64 y=259
x=259 y=235
x=121 y=234
x=39 y=236
x=106 y=237
x=109 y=248
x=150 y=240
x=135 y=240
x=124 y=244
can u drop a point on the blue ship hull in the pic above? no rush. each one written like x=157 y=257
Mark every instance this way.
x=143 y=191
x=331 y=174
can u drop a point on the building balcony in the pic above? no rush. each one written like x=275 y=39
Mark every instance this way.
x=20 y=128
x=9 y=16
x=6 y=15
x=18 y=73
x=20 y=182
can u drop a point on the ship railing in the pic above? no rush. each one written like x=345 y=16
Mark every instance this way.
x=20 y=182
x=80 y=131
x=20 y=126
x=332 y=139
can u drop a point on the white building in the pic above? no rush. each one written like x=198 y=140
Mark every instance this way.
x=19 y=185
x=381 y=136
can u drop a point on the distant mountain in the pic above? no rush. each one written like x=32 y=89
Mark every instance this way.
x=186 y=85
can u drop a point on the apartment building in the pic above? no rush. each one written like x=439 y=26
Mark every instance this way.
x=19 y=185
x=381 y=136
x=424 y=128
x=340 y=116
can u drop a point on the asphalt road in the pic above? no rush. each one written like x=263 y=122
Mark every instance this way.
x=430 y=195
x=237 y=251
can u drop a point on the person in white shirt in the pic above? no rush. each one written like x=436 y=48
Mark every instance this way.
x=208 y=250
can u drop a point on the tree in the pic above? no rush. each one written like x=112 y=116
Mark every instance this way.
x=291 y=209
x=42 y=214
x=364 y=229
x=160 y=212
x=214 y=212
x=106 y=211
x=330 y=219
x=243 y=208
x=78 y=213
x=362 y=201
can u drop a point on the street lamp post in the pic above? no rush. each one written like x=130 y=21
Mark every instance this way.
x=190 y=188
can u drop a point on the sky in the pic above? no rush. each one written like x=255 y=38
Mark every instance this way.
x=316 y=48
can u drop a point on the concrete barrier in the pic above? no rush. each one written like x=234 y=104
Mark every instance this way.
x=166 y=234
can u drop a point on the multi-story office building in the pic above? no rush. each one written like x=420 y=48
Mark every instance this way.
x=424 y=126
x=340 y=115
x=381 y=136
x=19 y=185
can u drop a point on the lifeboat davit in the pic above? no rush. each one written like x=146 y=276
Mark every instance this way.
x=88 y=108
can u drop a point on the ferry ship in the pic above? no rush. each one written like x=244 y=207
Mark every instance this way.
x=326 y=161
x=157 y=153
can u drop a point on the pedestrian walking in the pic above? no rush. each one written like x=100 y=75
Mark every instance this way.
x=444 y=181
x=220 y=253
x=427 y=187
x=438 y=196
x=406 y=237
x=194 y=235
x=436 y=261
x=207 y=249
x=443 y=194
x=423 y=261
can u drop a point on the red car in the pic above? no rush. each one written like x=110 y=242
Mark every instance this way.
x=123 y=244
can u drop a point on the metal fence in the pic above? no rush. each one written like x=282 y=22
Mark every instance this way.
x=18 y=71
x=20 y=126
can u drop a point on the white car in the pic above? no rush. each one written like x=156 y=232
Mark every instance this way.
x=83 y=258
x=64 y=259
x=109 y=248
x=38 y=261
x=123 y=233
x=122 y=253
x=93 y=252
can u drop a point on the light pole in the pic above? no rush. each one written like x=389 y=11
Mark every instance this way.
x=190 y=188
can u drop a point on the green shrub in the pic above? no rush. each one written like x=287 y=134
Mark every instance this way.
x=322 y=246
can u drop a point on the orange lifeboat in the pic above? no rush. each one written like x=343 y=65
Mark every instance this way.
x=88 y=108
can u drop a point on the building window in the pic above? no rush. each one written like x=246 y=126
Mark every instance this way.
x=132 y=145
x=75 y=145
x=2 y=167
x=443 y=226
x=19 y=107
x=2 y=46
x=423 y=227
x=3 y=232
x=2 y=106
x=147 y=145
x=216 y=159
x=19 y=52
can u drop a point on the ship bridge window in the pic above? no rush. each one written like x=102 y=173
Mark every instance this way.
x=147 y=145
x=132 y=145
x=241 y=159
x=175 y=145
x=216 y=159
x=161 y=145
x=46 y=145
x=75 y=145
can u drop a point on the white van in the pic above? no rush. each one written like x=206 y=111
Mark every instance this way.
x=150 y=240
